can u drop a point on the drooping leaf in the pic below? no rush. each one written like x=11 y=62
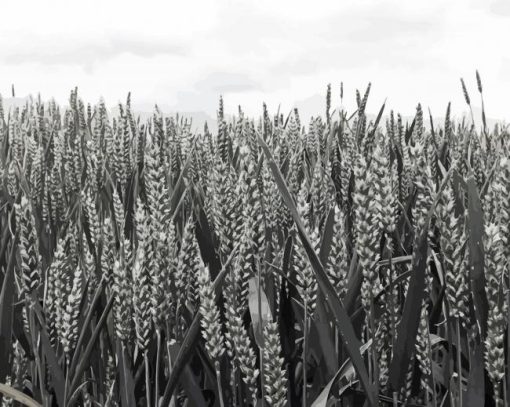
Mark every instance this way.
x=327 y=237
x=347 y=367
x=476 y=274
x=260 y=310
x=84 y=357
x=408 y=326
x=6 y=315
x=18 y=396
x=321 y=323
x=57 y=376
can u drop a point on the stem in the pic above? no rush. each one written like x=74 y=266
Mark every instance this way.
x=123 y=349
x=374 y=347
x=158 y=361
x=393 y=316
x=237 y=390
x=336 y=340
x=395 y=399
x=472 y=116
x=305 y=329
x=36 y=352
x=459 y=361
x=262 y=389
x=497 y=398
x=507 y=378
x=66 y=384
x=451 y=360
x=218 y=381
x=147 y=378
x=369 y=359
x=261 y=324
x=172 y=399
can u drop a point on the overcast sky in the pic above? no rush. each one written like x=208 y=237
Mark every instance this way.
x=183 y=54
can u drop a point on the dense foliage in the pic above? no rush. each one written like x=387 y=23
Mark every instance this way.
x=343 y=262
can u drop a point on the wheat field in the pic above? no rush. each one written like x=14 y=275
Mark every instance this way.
x=268 y=262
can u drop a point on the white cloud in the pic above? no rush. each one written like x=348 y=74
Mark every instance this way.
x=184 y=54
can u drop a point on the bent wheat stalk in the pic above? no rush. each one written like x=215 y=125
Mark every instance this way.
x=18 y=396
